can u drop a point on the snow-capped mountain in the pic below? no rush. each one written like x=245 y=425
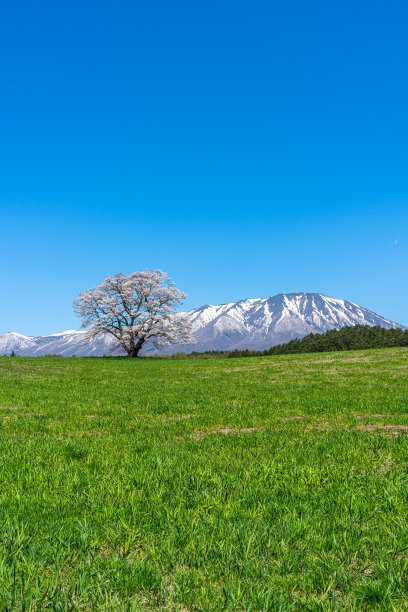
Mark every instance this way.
x=252 y=323
x=66 y=343
x=262 y=323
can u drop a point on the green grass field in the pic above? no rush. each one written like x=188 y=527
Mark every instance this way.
x=269 y=483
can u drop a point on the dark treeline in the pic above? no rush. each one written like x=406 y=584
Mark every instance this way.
x=345 y=339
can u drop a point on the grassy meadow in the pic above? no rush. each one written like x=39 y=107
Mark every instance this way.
x=267 y=483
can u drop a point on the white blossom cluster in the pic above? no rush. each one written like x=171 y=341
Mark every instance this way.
x=135 y=309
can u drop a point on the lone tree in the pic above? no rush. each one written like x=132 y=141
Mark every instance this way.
x=135 y=309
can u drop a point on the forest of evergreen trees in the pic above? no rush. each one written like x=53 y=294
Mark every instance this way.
x=348 y=338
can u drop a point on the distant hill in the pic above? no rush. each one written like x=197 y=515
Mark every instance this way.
x=356 y=337
x=254 y=324
x=345 y=339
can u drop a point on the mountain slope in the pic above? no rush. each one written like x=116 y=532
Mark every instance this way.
x=67 y=343
x=18 y=343
x=252 y=323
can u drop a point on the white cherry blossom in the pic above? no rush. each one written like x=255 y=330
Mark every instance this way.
x=135 y=309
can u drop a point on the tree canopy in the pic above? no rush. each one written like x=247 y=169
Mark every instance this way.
x=347 y=338
x=135 y=309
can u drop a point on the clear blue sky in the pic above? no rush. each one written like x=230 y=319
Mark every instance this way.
x=246 y=148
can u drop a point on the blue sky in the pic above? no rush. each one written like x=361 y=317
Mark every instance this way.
x=246 y=148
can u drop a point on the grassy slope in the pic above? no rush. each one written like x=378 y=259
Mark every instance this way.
x=114 y=496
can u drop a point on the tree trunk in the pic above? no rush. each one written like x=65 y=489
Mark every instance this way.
x=133 y=351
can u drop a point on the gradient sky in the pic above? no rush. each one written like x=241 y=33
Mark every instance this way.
x=246 y=148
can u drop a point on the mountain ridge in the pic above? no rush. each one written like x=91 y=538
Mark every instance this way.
x=252 y=323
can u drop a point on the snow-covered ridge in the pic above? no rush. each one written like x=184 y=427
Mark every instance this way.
x=256 y=323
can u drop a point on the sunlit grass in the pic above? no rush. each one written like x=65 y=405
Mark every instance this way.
x=269 y=483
